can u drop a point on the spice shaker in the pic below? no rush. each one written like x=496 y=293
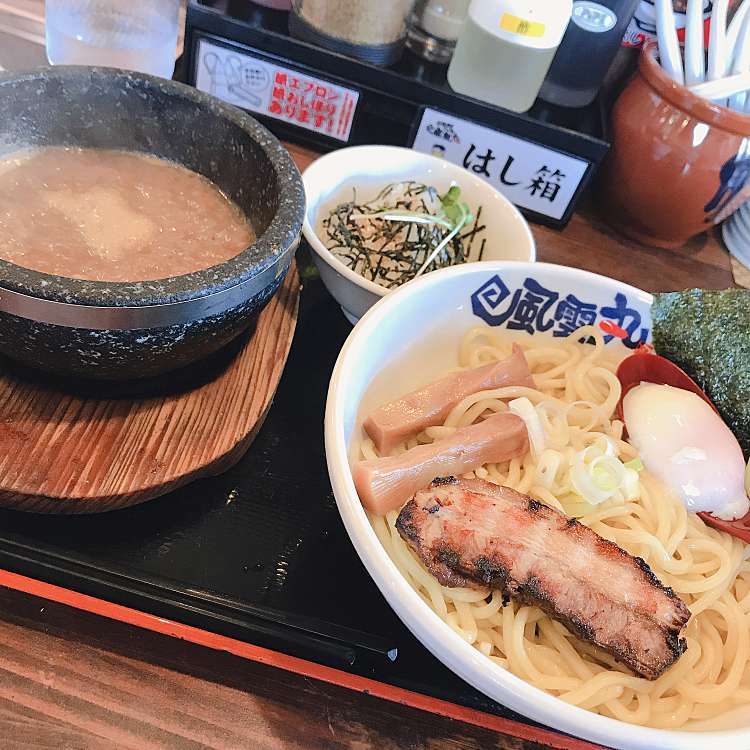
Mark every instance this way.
x=434 y=26
x=587 y=50
x=370 y=31
x=505 y=49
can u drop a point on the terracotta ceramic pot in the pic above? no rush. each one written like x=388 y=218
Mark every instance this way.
x=678 y=164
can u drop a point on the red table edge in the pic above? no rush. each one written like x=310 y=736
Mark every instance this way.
x=331 y=675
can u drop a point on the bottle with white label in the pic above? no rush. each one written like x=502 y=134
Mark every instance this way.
x=505 y=49
x=587 y=51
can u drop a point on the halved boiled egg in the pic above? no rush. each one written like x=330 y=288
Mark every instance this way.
x=684 y=443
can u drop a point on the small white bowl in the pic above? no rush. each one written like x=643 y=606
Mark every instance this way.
x=330 y=179
x=411 y=337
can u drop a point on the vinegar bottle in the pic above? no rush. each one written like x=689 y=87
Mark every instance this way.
x=505 y=49
x=587 y=50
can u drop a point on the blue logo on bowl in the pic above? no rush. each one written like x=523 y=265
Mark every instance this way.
x=535 y=309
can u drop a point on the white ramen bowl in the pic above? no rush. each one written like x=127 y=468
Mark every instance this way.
x=410 y=338
x=329 y=181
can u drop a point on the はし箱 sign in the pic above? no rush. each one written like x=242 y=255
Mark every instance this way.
x=529 y=174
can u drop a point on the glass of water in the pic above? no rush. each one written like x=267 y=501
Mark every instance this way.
x=134 y=34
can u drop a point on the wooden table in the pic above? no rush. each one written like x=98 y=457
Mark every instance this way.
x=74 y=680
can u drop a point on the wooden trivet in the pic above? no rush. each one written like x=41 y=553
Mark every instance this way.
x=65 y=453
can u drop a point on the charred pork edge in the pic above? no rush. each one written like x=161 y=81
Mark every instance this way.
x=448 y=571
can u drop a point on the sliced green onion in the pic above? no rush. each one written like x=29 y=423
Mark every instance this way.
x=610 y=448
x=635 y=464
x=607 y=473
x=547 y=467
x=406 y=216
x=442 y=244
x=523 y=408
x=596 y=475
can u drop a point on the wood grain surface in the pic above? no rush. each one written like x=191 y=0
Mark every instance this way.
x=73 y=680
x=69 y=679
x=62 y=453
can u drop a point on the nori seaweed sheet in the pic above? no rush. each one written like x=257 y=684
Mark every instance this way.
x=707 y=333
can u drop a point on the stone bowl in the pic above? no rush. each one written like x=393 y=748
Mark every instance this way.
x=129 y=330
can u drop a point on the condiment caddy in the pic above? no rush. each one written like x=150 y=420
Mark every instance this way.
x=541 y=160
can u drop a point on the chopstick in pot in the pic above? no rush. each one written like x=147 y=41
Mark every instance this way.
x=724 y=87
x=695 y=58
x=669 y=46
x=735 y=26
x=741 y=64
x=717 y=41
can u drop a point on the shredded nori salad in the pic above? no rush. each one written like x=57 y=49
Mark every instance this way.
x=707 y=333
x=391 y=252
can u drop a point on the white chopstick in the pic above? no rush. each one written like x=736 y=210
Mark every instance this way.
x=717 y=41
x=669 y=46
x=741 y=63
x=724 y=87
x=726 y=78
x=735 y=25
x=695 y=59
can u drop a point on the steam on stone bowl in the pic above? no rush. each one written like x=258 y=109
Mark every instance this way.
x=126 y=330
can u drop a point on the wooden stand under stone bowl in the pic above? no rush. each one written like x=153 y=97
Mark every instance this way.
x=65 y=453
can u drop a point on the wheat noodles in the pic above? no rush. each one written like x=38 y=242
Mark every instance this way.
x=577 y=393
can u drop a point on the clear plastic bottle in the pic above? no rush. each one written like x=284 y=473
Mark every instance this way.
x=587 y=50
x=505 y=49
x=133 y=34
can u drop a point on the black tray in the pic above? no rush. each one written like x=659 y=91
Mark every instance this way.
x=258 y=554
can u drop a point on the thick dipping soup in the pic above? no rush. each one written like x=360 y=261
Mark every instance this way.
x=105 y=215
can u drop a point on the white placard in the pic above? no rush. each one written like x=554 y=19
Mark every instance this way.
x=530 y=175
x=275 y=91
